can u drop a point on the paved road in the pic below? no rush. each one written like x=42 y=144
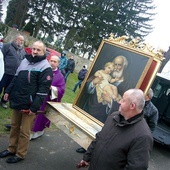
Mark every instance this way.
x=56 y=151
x=53 y=151
x=160 y=159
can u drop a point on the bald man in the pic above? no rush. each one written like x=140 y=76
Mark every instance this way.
x=26 y=94
x=125 y=141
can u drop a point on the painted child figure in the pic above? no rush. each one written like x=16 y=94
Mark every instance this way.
x=105 y=85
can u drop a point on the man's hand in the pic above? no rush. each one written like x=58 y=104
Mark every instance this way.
x=32 y=113
x=97 y=80
x=6 y=96
x=29 y=112
x=82 y=164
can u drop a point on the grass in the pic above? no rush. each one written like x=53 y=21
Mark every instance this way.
x=69 y=96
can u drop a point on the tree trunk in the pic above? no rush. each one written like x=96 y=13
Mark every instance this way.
x=37 y=28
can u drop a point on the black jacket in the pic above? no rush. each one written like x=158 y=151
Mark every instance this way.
x=121 y=145
x=70 y=65
x=31 y=83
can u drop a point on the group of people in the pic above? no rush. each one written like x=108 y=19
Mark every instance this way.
x=66 y=65
x=35 y=81
x=125 y=141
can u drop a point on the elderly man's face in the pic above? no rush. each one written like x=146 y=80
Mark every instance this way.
x=38 y=49
x=19 y=41
x=118 y=64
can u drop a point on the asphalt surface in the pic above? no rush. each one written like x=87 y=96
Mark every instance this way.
x=52 y=151
x=56 y=151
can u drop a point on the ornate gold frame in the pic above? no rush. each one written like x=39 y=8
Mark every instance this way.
x=153 y=59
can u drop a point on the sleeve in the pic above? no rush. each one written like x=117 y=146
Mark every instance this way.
x=65 y=63
x=152 y=121
x=90 y=87
x=87 y=155
x=5 y=49
x=9 y=88
x=44 y=83
x=139 y=153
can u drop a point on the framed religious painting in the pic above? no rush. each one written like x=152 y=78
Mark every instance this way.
x=118 y=65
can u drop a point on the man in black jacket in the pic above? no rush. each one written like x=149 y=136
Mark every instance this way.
x=13 y=55
x=26 y=94
x=125 y=141
x=70 y=67
x=81 y=75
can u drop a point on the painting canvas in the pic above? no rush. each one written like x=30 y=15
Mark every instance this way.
x=114 y=70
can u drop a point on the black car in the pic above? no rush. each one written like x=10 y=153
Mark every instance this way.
x=161 y=99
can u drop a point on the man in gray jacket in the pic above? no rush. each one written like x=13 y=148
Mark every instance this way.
x=125 y=142
x=13 y=54
x=150 y=111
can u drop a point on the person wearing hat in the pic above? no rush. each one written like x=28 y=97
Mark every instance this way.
x=81 y=75
x=63 y=63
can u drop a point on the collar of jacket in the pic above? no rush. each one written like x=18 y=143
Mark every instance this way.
x=34 y=59
x=120 y=121
x=147 y=102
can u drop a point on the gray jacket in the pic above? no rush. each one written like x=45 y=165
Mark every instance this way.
x=12 y=57
x=151 y=115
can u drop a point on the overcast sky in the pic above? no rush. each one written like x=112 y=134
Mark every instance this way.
x=160 y=37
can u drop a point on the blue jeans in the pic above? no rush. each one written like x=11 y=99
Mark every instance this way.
x=67 y=74
x=77 y=84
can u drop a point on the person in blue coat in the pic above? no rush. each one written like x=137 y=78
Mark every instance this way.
x=63 y=63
